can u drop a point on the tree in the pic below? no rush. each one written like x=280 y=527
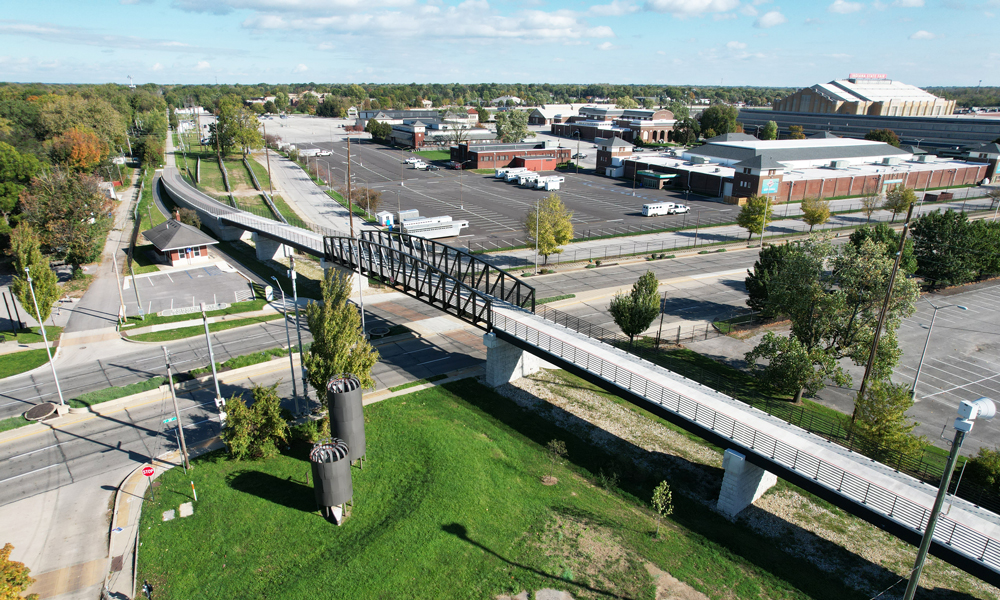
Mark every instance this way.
x=482 y=114
x=14 y=577
x=870 y=204
x=556 y=449
x=253 y=432
x=720 y=118
x=635 y=311
x=281 y=101
x=269 y=107
x=512 y=126
x=984 y=469
x=151 y=150
x=943 y=248
x=815 y=211
x=883 y=135
x=25 y=248
x=549 y=226
x=686 y=131
x=367 y=198
x=887 y=236
x=663 y=503
x=984 y=245
x=769 y=262
x=339 y=345
x=899 y=199
x=190 y=217
x=70 y=213
x=881 y=420
x=792 y=368
x=770 y=131
x=16 y=171
x=78 y=149
x=795 y=132
x=755 y=215
x=626 y=102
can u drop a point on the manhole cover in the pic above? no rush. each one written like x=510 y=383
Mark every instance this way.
x=39 y=412
x=379 y=331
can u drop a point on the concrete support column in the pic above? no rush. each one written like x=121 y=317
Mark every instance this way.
x=742 y=485
x=506 y=362
x=358 y=283
x=268 y=249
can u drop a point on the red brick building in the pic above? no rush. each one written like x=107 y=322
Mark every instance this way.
x=493 y=156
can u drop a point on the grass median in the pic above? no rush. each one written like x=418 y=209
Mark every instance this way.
x=19 y=362
x=451 y=504
x=185 y=332
x=234 y=309
x=13 y=423
x=113 y=393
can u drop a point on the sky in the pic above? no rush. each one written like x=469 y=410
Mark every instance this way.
x=670 y=42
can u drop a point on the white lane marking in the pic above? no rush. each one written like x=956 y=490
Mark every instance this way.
x=30 y=472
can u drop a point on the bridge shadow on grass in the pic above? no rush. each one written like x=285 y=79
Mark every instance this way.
x=285 y=492
x=592 y=450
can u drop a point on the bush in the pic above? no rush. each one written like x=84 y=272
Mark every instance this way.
x=984 y=469
x=253 y=432
x=312 y=430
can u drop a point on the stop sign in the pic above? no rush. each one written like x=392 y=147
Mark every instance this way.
x=148 y=471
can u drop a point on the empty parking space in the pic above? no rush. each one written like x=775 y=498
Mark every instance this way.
x=176 y=288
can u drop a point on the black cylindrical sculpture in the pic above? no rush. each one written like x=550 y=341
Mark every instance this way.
x=347 y=417
x=331 y=471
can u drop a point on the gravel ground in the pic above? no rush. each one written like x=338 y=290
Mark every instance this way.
x=869 y=559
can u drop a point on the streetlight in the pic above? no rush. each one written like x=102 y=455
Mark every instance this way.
x=461 y=183
x=41 y=325
x=288 y=338
x=577 y=134
x=930 y=329
x=967 y=413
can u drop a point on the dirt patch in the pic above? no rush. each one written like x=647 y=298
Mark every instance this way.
x=669 y=587
x=549 y=480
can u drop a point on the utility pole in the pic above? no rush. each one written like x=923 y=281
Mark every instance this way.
x=350 y=206
x=288 y=338
x=885 y=309
x=763 y=220
x=45 y=337
x=211 y=357
x=177 y=412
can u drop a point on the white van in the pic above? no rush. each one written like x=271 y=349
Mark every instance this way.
x=656 y=209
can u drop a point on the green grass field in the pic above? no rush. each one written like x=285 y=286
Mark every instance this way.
x=234 y=309
x=19 y=362
x=31 y=335
x=450 y=504
x=113 y=393
x=185 y=332
x=433 y=154
x=13 y=423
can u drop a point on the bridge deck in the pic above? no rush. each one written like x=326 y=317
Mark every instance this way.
x=967 y=536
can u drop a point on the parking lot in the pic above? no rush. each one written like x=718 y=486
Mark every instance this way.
x=181 y=287
x=495 y=209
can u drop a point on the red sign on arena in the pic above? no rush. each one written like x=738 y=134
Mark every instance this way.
x=148 y=471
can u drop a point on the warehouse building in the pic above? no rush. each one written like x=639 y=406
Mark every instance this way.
x=866 y=94
x=825 y=166
x=537 y=156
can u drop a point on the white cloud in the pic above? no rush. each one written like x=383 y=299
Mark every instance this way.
x=840 y=56
x=222 y=7
x=842 y=7
x=923 y=35
x=908 y=3
x=724 y=16
x=606 y=46
x=736 y=45
x=615 y=9
x=203 y=65
x=325 y=46
x=157 y=67
x=687 y=8
x=300 y=68
x=86 y=37
x=769 y=19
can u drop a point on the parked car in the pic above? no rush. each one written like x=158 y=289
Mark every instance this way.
x=324 y=153
x=680 y=209
x=433 y=168
x=412 y=160
x=580 y=155
x=639 y=149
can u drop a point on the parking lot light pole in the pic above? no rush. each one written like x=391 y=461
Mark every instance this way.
x=298 y=329
x=930 y=330
x=288 y=338
x=461 y=183
x=577 y=134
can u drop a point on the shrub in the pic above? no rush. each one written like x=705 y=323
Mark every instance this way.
x=984 y=469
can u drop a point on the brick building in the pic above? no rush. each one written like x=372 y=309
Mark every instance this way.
x=492 y=156
x=611 y=152
x=630 y=125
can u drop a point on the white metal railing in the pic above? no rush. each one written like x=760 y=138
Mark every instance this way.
x=875 y=497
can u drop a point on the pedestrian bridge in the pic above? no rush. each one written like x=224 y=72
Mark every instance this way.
x=759 y=446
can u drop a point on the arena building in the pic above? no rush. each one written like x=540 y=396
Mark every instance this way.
x=866 y=94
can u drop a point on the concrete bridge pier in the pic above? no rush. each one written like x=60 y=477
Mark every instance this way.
x=268 y=249
x=742 y=485
x=506 y=363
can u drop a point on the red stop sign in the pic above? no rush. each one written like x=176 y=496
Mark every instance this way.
x=148 y=471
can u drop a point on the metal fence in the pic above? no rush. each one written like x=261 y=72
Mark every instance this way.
x=875 y=497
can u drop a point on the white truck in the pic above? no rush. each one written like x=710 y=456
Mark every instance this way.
x=420 y=165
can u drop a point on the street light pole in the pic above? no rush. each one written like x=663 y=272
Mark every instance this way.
x=298 y=330
x=45 y=337
x=177 y=412
x=930 y=330
x=288 y=338
x=536 y=236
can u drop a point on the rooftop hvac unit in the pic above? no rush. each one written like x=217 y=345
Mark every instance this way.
x=331 y=472
x=698 y=160
x=839 y=164
x=717 y=170
x=890 y=160
x=924 y=158
x=347 y=418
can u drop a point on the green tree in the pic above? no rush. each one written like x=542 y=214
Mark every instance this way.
x=795 y=132
x=883 y=135
x=551 y=227
x=887 y=236
x=943 y=248
x=339 y=345
x=635 y=311
x=755 y=215
x=253 y=432
x=881 y=420
x=269 y=107
x=720 y=118
x=984 y=469
x=663 y=503
x=626 y=102
x=899 y=199
x=815 y=211
x=281 y=101
x=236 y=127
x=16 y=171
x=14 y=577
x=869 y=204
x=769 y=262
x=985 y=247
x=512 y=126
x=70 y=213
x=482 y=114
x=832 y=298
x=25 y=248
x=792 y=368
x=770 y=131
x=686 y=131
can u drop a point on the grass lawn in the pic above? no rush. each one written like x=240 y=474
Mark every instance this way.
x=483 y=171
x=141 y=260
x=234 y=309
x=433 y=154
x=244 y=360
x=147 y=208
x=32 y=335
x=246 y=256
x=260 y=171
x=19 y=362
x=450 y=504
x=113 y=393
x=286 y=211
x=555 y=298
x=13 y=423
x=184 y=332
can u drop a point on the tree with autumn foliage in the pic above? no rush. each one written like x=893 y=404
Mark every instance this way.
x=14 y=577
x=78 y=149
